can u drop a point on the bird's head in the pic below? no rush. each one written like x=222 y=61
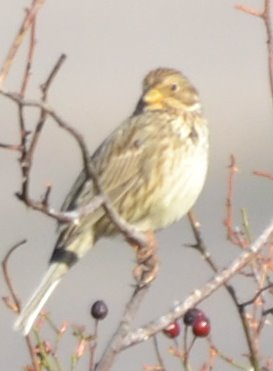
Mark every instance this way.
x=166 y=88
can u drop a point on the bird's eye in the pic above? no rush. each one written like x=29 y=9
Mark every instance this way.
x=174 y=87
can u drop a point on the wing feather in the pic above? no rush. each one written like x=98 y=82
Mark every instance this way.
x=117 y=162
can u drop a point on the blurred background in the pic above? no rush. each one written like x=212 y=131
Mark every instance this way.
x=110 y=46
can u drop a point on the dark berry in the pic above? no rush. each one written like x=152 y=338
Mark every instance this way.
x=173 y=330
x=191 y=315
x=201 y=327
x=99 y=310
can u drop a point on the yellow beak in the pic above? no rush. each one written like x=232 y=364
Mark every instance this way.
x=152 y=96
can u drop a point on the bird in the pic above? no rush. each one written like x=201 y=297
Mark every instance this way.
x=152 y=167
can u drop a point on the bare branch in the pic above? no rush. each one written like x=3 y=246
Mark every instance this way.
x=116 y=344
x=7 y=277
x=32 y=43
x=26 y=24
x=45 y=86
x=265 y=15
x=11 y=147
x=232 y=235
x=125 y=228
x=14 y=296
x=144 y=333
x=201 y=247
x=251 y=301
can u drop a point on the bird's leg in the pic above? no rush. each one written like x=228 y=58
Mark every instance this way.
x=147 y=262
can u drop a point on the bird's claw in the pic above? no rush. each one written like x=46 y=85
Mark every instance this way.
x=147 y=262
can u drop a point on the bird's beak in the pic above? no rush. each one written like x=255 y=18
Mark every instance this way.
x=152 y=96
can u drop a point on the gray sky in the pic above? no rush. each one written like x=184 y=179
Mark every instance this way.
x=110 y=46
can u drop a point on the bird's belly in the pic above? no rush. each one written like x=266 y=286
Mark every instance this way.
x=179 y=192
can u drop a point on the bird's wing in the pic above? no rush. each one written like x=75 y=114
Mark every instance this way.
x=117 y=162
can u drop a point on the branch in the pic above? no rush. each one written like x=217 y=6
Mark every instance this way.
x=257 y=295
x=145 y=332
x=15 y=306
x=201 y=247
x=26 y=24
x=116 y=344
x=265 y=15
x=32 y=43
x=232 y=234
x=7 y=278
x=125 y=228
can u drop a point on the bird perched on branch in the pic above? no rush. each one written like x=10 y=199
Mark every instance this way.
x=152 y=167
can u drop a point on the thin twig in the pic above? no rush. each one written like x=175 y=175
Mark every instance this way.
x=7 y=277
x=265 y=15
x=28 y=153
x=32 y=43
x=93 y=347
x=158 y=355
x=255 y=297
x=11 y=147
x=17 y=306
x=46 y=85
x=231 y=234
x=26 y=24
x=267 y=21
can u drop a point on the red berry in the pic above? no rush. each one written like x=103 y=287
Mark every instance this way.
x=173 y=330
x=191 y=315
x=201 y=327
x=99 y=310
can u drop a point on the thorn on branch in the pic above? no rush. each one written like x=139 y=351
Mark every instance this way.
x=267 y=311
x=11 y=147
x=19 y=195
x=45 y=198
x=263 y=174
x=249 y=10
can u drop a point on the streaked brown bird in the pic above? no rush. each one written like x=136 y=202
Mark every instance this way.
x=152 y=167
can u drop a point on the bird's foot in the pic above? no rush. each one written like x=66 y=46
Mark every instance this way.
x=147 y=262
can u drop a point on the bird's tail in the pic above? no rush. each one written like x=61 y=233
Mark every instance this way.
x=31 y=310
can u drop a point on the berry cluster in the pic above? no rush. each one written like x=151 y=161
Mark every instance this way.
x=199 y=322
x=195 y=318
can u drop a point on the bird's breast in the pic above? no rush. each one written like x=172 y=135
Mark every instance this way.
x=177 y=179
